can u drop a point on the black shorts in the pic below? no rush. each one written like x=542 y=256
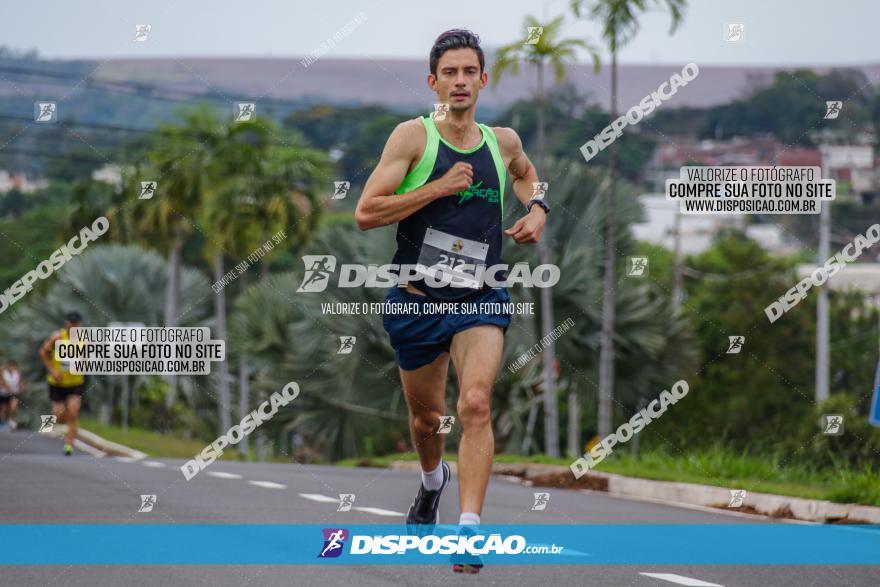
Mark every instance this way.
x=59 y=394
x=4 y=399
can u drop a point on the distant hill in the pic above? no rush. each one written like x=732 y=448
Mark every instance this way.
x=401 y=82
x=395 y=83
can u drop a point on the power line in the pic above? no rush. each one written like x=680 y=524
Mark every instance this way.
x=137 y=89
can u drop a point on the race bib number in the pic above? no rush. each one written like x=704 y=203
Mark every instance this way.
x=447 y=258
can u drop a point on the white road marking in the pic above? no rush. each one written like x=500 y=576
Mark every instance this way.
x=680 y=580
x=327 y=499
x=268 y=484
x=378 y=511
x=154 y=464
x=222 y=475
x=319 y=497
x=125 y=459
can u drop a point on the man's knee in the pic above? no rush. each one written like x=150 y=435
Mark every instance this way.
x=72 y=410
x=473 y=406
x=426 y=422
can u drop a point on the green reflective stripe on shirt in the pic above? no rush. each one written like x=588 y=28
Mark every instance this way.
x=422 y=171
x=492 y=140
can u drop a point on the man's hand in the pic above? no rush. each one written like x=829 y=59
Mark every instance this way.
x=56 y=375
x=458 y=178
x=528 y=229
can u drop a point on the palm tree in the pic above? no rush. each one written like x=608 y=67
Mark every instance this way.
x=558 y=53
x=180 y=160
x=90 y=199
x=620 y=24
x=251 y=200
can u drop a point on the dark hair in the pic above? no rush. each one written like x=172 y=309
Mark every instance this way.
x=456 y=39
x=73 y=317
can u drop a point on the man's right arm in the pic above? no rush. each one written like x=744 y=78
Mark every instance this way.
x=379 y=206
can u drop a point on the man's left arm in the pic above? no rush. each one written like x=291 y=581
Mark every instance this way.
x=527 y=229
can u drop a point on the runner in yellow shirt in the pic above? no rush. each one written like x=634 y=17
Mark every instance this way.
x=65 y=388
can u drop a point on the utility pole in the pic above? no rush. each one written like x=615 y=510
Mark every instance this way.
x=676 y=267
x=551 y=414
x=822 y=336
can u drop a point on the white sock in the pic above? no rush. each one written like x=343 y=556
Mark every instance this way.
x=469 y=518
x=433 y=480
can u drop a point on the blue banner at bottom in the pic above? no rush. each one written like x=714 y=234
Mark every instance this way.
x=356 y=544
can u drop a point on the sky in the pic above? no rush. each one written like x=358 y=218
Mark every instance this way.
x=777 y=32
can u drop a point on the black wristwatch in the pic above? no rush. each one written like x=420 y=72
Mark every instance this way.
x=540 y=203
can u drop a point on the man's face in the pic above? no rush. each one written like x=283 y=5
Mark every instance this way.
x=68 y=324
x=458 y=80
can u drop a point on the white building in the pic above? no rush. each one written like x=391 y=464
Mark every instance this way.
x=20 y=182
x=699 y=230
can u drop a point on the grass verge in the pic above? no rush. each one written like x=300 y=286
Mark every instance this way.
x=715 y=467
x=147 y=441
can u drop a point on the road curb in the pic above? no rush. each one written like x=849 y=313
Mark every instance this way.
x=99 y=443
x=766 y=504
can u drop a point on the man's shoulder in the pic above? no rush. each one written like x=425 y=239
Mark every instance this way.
x=410 y=129
x=408 y=140
x=508 y=140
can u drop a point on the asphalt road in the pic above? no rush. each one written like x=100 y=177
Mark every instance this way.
x=38 y=485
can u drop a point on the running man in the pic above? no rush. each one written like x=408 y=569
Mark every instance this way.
x=10 y=386
x=65 y=388
x=442 y=183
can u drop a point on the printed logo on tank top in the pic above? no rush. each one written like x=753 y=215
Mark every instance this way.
x=491 y=195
